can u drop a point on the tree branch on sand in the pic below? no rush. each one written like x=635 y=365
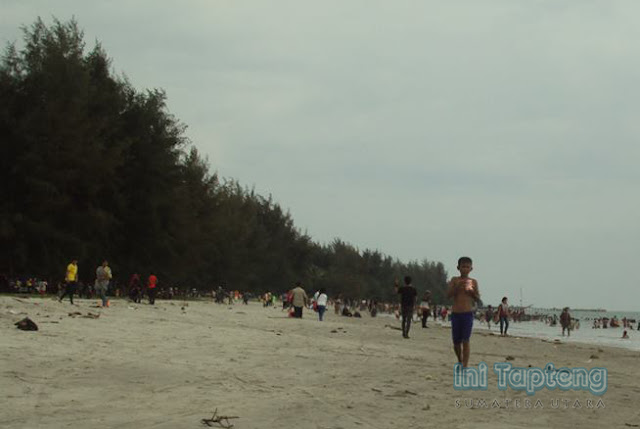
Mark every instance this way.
x=221 y=421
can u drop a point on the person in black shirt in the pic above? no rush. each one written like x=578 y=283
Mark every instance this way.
x=408 y=296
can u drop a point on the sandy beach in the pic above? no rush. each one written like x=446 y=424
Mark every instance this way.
x=173 y=364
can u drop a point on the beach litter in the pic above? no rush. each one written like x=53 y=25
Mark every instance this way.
x=393 y=327
x=27 y=324
x=89 y=315
x=220 y=421
x=401 y=394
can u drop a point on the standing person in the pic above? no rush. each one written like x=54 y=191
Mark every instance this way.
x=464 y=291
x=444 y=312
x=565 y=321
x=286 y=300
x=71 y=280
x=135 y=289
x=503 y=316
x=103 y=277
x=151 y=288
x=321 y=301
x=408 y=295
x=424 y=308
x=299 y=299
x=488 y=316
x=337 y=304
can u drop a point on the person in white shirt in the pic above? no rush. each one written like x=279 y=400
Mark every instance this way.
x=321 y=302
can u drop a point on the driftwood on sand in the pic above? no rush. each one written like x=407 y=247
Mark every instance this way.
x=220 y=421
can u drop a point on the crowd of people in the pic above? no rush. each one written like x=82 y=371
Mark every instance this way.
x=100 y=286
x=30 y=285
x=463 y=290
x=294 y=300
x=614 y=322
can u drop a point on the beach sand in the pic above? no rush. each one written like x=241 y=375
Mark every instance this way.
x=173 y=364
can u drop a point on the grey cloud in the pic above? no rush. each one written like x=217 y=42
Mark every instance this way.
x=502 y=129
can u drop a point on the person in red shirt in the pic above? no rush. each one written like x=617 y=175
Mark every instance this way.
x=151 y=286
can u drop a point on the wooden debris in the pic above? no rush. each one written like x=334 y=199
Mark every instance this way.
x=220 y=421
x=91 y=316
x=401 y=394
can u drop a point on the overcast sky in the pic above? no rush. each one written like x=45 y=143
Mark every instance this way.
x=503 y=130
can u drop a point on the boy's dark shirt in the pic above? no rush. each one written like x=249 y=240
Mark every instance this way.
x=408 y=295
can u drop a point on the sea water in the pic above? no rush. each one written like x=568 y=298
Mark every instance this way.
x=611 y=337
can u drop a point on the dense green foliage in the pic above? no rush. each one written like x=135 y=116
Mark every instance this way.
x=92 y=169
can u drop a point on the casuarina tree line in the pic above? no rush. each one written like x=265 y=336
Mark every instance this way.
x=92 y=168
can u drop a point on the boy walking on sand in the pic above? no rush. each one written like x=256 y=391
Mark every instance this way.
x=464 y=291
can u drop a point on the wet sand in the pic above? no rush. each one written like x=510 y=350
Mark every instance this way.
x=173 y=364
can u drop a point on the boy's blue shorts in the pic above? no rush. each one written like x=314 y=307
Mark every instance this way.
x=461 y=325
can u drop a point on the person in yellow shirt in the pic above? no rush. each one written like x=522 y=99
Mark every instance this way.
x=71 y=280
